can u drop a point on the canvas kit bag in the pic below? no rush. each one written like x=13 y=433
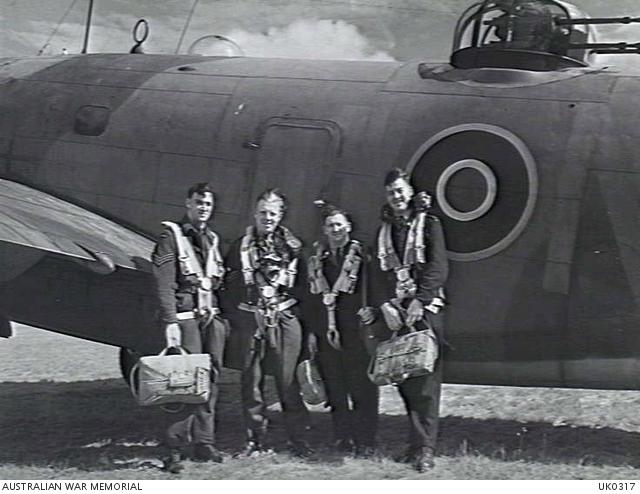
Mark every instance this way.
x=181 y=378
x=403 y=356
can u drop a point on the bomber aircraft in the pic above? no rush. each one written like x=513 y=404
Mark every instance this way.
x=530 y=151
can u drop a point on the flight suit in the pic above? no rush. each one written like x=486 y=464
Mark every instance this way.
x=345 y=371
x=178 y=295
x=421 y=395
x=276 y=337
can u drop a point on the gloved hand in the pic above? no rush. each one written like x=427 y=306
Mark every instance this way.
x=367 y=315
x=173 y=335
x=391 y=316
x=415 y=312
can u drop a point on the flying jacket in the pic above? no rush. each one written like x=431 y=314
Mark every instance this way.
x=176 y=291
x=429 y=276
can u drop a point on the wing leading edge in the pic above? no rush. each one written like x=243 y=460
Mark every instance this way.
x=38 y=221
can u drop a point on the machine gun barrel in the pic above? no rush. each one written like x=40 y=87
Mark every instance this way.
x=607 y=48
x=597 y=20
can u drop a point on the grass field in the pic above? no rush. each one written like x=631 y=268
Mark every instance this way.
x=65 y=413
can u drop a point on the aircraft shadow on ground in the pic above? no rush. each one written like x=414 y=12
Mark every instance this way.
x=96 y=425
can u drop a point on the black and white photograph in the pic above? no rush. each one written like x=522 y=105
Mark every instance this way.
x=319 y=240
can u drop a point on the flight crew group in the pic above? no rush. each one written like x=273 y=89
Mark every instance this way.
x=357 y=296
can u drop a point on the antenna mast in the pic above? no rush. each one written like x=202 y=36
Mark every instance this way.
x=186 y=25
x=87 y=28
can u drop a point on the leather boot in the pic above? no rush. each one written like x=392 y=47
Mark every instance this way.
x=173 y=462
x=423 y=460
x=207 y=452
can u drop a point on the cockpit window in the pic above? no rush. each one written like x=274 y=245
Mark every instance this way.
x=541 y=26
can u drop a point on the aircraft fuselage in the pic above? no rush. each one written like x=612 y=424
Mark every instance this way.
x=536 y=178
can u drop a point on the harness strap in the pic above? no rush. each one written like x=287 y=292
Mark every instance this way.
x=194 y=314
x=287 y=304
x=246 y=258
x=267 y=316
x=249 y=259
x=186 y=255
x=414 y=251
x=189 y=265
x=345 y=283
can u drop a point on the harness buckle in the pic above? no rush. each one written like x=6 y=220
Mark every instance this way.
x=267 y=292
x=329 y=299
x=403 y=273
x=205 y=283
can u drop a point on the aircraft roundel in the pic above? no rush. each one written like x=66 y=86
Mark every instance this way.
x=484 y=183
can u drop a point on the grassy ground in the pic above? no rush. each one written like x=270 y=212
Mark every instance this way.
x=65 y=413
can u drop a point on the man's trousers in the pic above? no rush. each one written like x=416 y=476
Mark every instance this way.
x=421 y=396
x=284 y=354
x=196 y=423
x=345 y=375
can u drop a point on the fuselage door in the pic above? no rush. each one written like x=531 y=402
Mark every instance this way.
x=295 y=155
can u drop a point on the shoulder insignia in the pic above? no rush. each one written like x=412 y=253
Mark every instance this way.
x=160 y=260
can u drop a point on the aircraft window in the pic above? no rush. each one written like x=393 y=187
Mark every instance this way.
x=91 y=120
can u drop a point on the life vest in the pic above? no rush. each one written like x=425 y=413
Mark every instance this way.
x=348 y=278
x=213 y=268
x=414 y=253
x=270 y=304
x=250 y=259
x=345 y=283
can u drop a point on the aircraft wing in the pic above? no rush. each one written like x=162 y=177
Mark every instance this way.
x=36 y=220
